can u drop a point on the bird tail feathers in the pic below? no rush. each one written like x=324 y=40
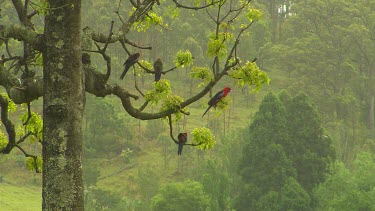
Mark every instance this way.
x=206 y=111
x=180 y=146
x=124 y=72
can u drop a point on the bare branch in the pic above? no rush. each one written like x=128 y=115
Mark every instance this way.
x=170 y=129
x=22 y=33
x=143 y=106
x=28 y=114
x=135 y=45
x=21 y=12
x=192 y=7
x=138 y=114
x=118 y=9
x=136 y=85
x=209 y=14
x=29 y=155
x=23 y=138
x=29 y=16
x=234 y=48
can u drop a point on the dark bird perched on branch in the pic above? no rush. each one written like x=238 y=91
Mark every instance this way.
x=158 y=67
x=215 y=99
x=130 y=62
x=182 y=139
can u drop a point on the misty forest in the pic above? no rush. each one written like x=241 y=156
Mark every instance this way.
x=173 y=105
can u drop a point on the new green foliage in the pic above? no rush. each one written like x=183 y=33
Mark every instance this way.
x=161 y=89
x=183 y=58
x=34 y=164
x=204 y=137
x=250 y=75
x=203 y=73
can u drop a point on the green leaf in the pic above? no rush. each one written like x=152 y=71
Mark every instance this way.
x=223 y=104
x=34 y=125
x=150 y=19
x=217 y=44
x=203 y=73
x=161 y=90
x=204 y=137
x=183 y=58
x=30 y=163
x=173 y=102
x=253 y=14
x=250 y=75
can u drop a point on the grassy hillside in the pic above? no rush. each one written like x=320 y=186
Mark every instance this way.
x=20 y=198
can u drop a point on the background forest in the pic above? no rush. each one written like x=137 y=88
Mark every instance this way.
x=305 y=142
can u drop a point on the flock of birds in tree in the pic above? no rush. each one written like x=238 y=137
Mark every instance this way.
x=158 y=67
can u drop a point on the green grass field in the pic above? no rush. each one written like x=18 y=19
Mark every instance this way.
x=20 y=198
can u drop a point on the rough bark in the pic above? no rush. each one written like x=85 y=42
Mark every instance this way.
x=62 y=108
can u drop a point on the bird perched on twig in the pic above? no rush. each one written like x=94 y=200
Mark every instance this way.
x=215 y=99
x=130 y=62
x=182 y=139
x=158 y=67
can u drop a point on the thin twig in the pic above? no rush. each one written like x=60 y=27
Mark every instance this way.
x=194 y=8
x=23 y=138
x=28 y=114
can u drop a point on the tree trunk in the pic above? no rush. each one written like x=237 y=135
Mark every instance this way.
x=62 y=107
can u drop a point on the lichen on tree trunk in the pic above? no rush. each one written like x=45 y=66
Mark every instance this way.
x=62 y=108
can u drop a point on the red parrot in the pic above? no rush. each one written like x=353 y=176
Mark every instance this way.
x=215 y=99
x=182 y=139
x=130 y=62
x=158 y=67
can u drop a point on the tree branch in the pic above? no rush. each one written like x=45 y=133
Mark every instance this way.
x=141 y=10
x=9 y=126
x=138 y=114
x=21 y=12
x=29 y=155
x=23 y=138
x=194 y=8
x=22 y=33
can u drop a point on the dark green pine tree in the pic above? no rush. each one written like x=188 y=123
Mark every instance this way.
x=264 y=167
x=309 y=149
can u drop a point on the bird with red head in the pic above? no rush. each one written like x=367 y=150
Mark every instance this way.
x=217 y=97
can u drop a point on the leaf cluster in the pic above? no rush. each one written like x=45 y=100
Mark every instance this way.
x=150 y=19
x=203 y=137
x=161 y=90
x=250 y=75
x=203 y=73
x=30 y=163
x=183 y=58
x=34 y=125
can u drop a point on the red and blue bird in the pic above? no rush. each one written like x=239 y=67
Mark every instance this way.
x=182 y=139
x=215 y=99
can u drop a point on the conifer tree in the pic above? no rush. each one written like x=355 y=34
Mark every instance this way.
x=309 y=149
